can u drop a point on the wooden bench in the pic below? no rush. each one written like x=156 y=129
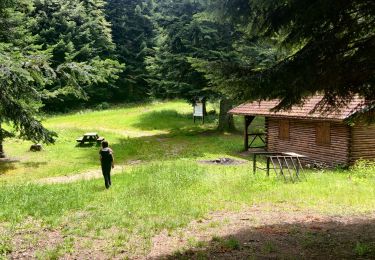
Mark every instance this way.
x=90 y=138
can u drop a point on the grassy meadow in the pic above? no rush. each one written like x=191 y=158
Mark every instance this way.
x=164 y=190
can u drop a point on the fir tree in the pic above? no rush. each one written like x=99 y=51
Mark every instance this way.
x=171 y=74
x=24 y=71
x=79 y=38
x=186 y=36
x=133 y=32
x=327 y=46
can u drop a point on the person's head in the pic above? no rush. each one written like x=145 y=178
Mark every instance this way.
x=105 y=144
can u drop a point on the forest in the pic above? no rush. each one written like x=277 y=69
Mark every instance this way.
x=103 y=89
x=58 y=56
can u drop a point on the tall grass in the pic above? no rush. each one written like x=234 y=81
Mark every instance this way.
x=169 y=188
x=169 y=194
x=145 y=132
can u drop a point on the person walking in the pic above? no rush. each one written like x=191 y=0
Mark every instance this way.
x=107 y=163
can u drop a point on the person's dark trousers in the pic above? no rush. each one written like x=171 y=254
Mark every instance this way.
x=106 y=170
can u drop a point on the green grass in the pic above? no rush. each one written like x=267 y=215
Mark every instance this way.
x=5 y=245
x=170 y=194
x=168 y=190
x=362 y=249
x=153 y=132
x=269 y=247
x=57 y=252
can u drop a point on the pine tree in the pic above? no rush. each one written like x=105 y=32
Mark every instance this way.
x=186 y=36
x=79 y=38
x=327 y=47
x=24 y=71
x=133 y=32
x=171 y=74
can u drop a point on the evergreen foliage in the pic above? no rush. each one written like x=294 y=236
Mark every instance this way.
x=185 y=32
x=24 y=71
x=170 y=72
x=79 y=38
x=133 y=33
x=60 y=54
x=320 y=46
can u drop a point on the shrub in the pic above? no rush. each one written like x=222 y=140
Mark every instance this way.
x=103 y=106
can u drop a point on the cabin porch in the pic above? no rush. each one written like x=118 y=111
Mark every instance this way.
x=254 y=139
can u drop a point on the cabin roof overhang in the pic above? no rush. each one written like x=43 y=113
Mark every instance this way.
x=312 y=108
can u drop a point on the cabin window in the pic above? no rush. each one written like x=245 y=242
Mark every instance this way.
x=284 y=129
x=323 y=133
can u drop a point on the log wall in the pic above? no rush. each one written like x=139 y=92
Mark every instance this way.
x=363 y=142
x=302 y=140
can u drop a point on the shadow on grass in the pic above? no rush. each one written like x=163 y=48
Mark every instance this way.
x=298 y=240
x=191 y=140
x=88 y=145
x=33 y=164
x=183 y=139
x=168 y=119
x=7 y=165
x=185 y=143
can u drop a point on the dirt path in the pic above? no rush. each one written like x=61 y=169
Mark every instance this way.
x=89 y=175
x=269 y=233
x=259 y=232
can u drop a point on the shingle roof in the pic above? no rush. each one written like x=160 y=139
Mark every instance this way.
x=308 y=110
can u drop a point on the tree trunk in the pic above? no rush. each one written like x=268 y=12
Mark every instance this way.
x=226 y=123
x=204 y=108
x=2 y=154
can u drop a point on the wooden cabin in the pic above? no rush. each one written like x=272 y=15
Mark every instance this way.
x=323 y=136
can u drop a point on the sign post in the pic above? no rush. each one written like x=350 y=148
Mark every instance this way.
x=199 y=111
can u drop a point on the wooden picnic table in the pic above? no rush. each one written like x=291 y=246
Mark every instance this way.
x=90 y=138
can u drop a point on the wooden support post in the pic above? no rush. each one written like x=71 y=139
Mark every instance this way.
x=246 y=135
x=248 y=120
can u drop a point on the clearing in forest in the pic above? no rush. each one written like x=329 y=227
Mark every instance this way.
x=165 y=203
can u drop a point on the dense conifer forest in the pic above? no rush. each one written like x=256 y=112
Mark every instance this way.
x=60 y=55
x=102 y=158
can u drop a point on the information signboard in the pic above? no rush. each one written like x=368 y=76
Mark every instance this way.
x=198 y=110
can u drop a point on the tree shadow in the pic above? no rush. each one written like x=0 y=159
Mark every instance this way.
x=7 y=165
x=33 y=164
x=88 y=145
x=298 y=240
x=192 y=140
x=179 y=143
x=168 y=120
x=183 y=139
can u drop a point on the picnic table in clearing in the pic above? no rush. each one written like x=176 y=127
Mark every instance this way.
x=90 y=138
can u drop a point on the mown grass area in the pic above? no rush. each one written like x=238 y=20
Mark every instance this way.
x=151 y=132
x=175 y=191
x=168 y=189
